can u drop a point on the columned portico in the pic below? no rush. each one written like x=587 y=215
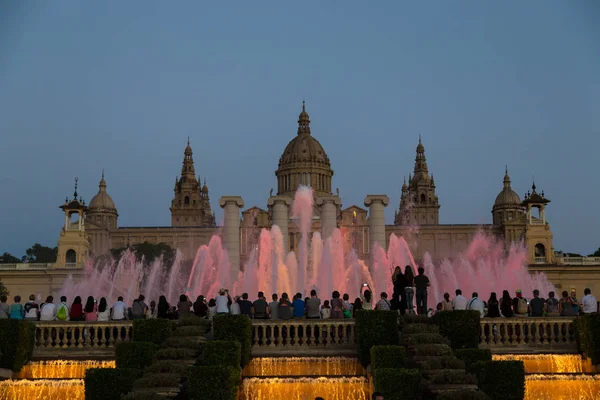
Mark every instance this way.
x=377 y=204
x=231 y=231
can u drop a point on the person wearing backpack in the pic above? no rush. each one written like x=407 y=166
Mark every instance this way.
x=32 y=310
x=16 y=310
x=552 y=306
x=519 y=303
x=62 y=314
x=48 y=310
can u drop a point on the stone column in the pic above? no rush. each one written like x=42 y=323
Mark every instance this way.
x=231 y=231
x=377 y=204
x=280 y=216
x=329 y=206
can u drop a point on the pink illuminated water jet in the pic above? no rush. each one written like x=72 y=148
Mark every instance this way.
x=325 y=264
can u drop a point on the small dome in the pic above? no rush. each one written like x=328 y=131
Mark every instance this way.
x=102 y=200
x=303 y=148
x=507 y=197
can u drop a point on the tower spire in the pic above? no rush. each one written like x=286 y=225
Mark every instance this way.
x=303 y=121
x=75 y=192
x=102 y=184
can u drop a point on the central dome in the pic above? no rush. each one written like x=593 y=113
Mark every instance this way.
x=102 y=201
x=304 y=162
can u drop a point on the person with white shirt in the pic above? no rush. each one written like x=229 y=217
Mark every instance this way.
x=459 y=302
x=119 y=310
x=48 y=310
x=476 y=304
x=223 y=300
x=589 y=304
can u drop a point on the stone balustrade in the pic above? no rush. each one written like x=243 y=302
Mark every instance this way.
x=303 y=337
x=69 y=339
x=528 y=335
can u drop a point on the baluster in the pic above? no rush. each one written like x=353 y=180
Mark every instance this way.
x=513 y=334
x=110 y=341
x=483 y=337
x=272 y=334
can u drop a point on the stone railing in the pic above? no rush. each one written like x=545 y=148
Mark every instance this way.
x=578 y=260
x=69 y=339
x=303 y=337
x=528 y=335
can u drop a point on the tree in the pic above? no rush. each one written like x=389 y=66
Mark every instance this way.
x=149 y=252
x=40 y=254
x=8 y=258
x=596 y=253
x=3 y=289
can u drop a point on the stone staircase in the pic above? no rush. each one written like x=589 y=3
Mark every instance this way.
x=166 y=377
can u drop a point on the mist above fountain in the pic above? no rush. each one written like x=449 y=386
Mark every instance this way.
x=324 y=264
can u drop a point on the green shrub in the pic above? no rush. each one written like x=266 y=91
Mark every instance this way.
x=375 y=328
x=470 y=356
x=158 y=380
x=183 y=342
x=415 y=319
x=420 y=328
x=195 y=321
x=136 y=355
x=145 y=395
x=235 y=327
x=425 y=338
x=222 y=352
x=167 y=366
x=460 y=326
x=155 y=330
x=588 y=338
x=399 y=383
x=463 y=394
x=176 y=354
x=387 y=357
x=425 y=350
x=446 y=362
x=109 y=383
x=16 y=343
x=213 y=382
x=452 y=376
x=189 y=330
x=501 y=380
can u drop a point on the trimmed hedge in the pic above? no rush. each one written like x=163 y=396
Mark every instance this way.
x=425 y=338
x=387 y=357
x=375 y=328
x=470 y=356
x=587 y=333
x=176 y=354
x=445 y=362
x=501 y=380
x=145 y=395
x=452 y=376
x=425 y=350
x=16 y=343
x=213 y=382
x=167 y=366
x=463 y=394
x=155 y=330
x=399 y=383
x=182 y=342
x=420 y=328
x=159 y=380
x=189 y=330
x=222 y=352
x=137 y=355
x=109 y=383
x=460 y=326
x=235 y=327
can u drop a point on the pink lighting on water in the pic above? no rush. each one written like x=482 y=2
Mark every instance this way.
x=320 y=263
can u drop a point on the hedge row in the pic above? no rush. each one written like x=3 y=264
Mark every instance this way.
x=136 y=355
x=237 y=328
x=16 y=343
x=387 y=357
x=399 y=383
x=501 y=380
x=109 y=383
x=155 y=330
x=587 y=333
x=222 y=352
x=471 y=356
x=375 y=328
x=213 y=382
x=460 y=326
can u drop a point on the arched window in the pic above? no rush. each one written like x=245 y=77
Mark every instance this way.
x=186 y=201
x=71 y=257
x=422 y=198
x=540 y=250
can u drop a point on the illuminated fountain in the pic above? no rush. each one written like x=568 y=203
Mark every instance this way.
x=304 y=366
x=354 y=388
x=47 y=389
x=60 y=369
x=550 y=363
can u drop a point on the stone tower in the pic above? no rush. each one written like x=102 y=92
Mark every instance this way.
x=418 y=203
x=73 y=245
x=507 y=205
x=304 y=162
x=191 y=204
x=538 y=235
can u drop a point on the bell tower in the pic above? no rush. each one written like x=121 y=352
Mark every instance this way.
x=191 y=204
x=73 y=244
x=538 y=235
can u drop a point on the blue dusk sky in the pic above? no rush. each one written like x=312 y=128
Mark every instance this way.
x=120 y=85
